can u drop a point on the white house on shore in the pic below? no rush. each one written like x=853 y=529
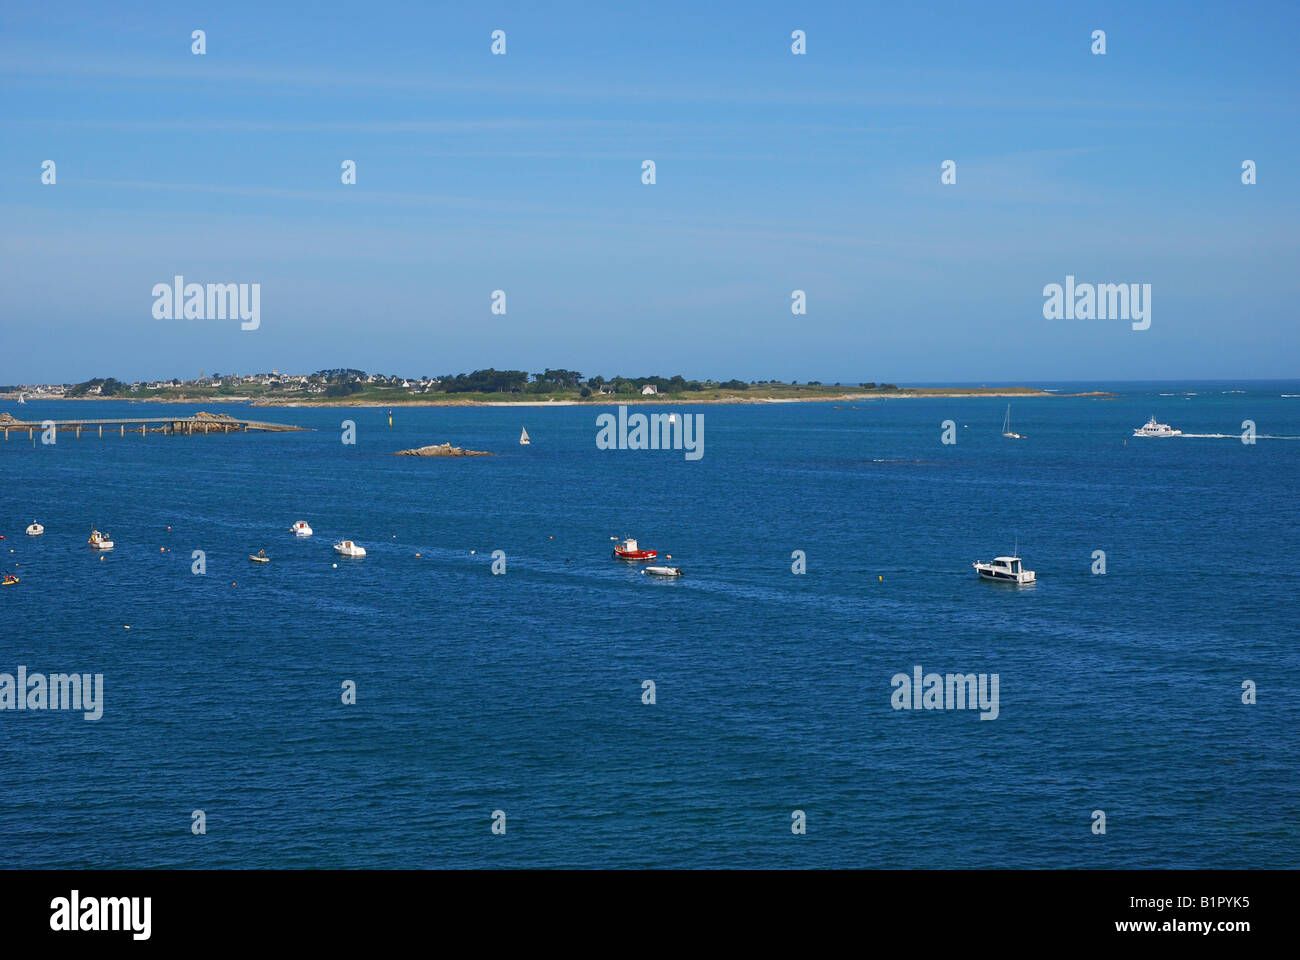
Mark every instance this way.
x=649 y=390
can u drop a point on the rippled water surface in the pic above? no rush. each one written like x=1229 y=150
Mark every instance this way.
x=522 y=692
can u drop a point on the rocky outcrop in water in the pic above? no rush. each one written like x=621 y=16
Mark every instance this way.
x=441 y=450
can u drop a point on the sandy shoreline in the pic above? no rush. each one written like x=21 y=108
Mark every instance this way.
x=604 y=402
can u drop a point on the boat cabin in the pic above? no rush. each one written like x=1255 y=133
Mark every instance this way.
x=1011 y=563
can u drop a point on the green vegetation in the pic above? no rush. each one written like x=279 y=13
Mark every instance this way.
x=97 y=387
x=349 y=385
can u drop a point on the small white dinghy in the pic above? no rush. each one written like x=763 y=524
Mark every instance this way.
x=349 y=549
x=35 y=530
x=663 y=571
x=259 y=557
x=300 y=529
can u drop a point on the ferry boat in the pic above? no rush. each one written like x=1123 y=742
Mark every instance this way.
x=99 y=541
x=349 y=549
x=663 y=571
x=300 y=529
x=1004 y=570
x=1153 y=429
x=628 y=550
x=35 y=530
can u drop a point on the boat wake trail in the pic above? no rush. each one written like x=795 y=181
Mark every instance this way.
x=1233 y=436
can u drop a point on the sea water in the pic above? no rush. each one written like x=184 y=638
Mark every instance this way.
x=524 y=691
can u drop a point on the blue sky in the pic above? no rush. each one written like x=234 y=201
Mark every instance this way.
x=774 y=172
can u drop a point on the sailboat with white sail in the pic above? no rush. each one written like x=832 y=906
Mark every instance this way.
x=1006 y=426
x=523 y=438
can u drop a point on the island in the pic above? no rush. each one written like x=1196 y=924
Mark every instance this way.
x=348 y=387
x=441 y=450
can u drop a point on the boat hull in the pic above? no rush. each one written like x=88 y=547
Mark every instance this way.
x=635 y=556
x=1006 y=577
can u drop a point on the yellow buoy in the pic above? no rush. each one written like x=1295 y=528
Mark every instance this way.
x=881 y=579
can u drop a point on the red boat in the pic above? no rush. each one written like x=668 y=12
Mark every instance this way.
x=628 y=550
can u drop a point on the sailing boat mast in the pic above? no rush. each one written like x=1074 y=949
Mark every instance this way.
x=1006 y=425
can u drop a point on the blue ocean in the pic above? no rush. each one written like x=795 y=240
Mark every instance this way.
x=523 y=691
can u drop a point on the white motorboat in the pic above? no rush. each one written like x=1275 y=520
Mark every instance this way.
x=1004 y=570
x=1153 y=429
x=99 y=541
x=301 y=529
x=35 y=530
x=523 y=438
x=1006 y=426
x=663 y=571
x=349 y=549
